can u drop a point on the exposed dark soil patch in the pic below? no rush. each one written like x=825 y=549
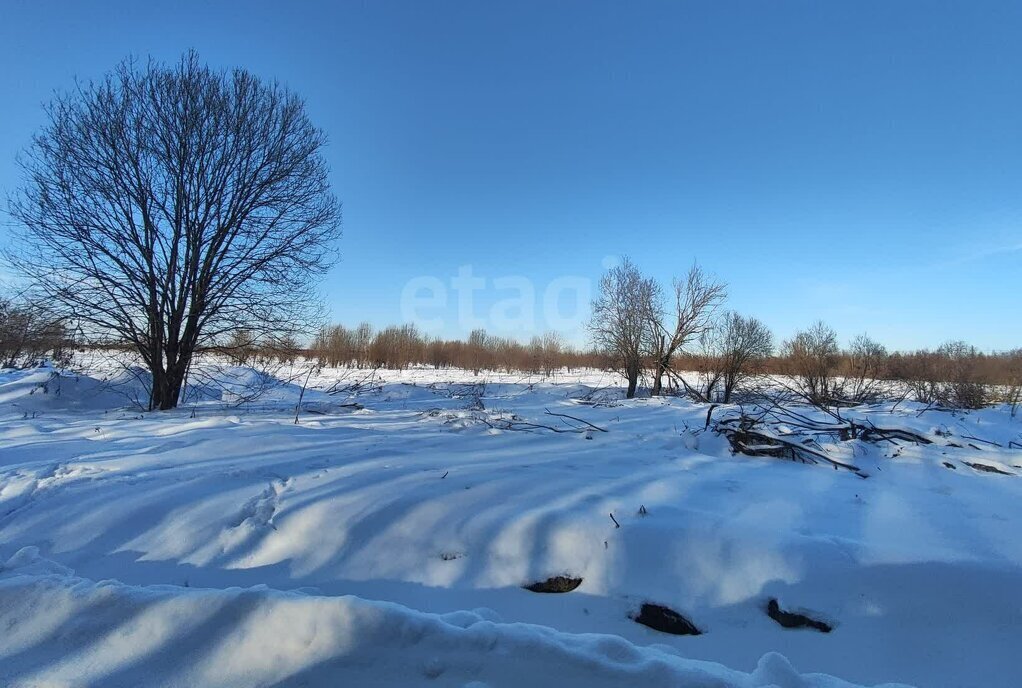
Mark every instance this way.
x=948 y=464
x=665 y=620
x=555 y=584
x=794 y=619
x=986 y=469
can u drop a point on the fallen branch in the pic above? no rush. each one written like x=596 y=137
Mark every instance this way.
x=746 y=440
x=979 y=439
x=578 y=420
x=516 y=424
x=890 y=434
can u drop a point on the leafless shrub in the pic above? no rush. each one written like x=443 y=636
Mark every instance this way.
x=964 y=387
x=953 y=376
x=923 y=374
x=29 y=334
x=437 y=353
x=730 y=350
x=478 y=351
x=696 y=300
x=241 y=346
x=812 y=357
x=396 y=347
x=546 y=353
x=338 y=346
x=620 y=320
x=863 y=370
x=334 y=347
x=1013 y=387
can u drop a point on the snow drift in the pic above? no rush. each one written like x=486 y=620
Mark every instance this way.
x=70 y=631
x=417 y=496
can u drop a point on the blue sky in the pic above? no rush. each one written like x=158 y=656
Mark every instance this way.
x=859 y=162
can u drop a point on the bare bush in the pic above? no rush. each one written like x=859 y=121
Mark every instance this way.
x=396 y=347
x=550 y=352
x=864 y=367
x=479 y=352
x=696 y=299
x=29 y=334
x=956 y=375
x=361 y=342
x=438 y=353
x=1013 y=386
x=337 y=345
x=241 y=346
x=731 y=349
x=923 y=374
x=963 y=386
x=620 y=320
x=812 y=356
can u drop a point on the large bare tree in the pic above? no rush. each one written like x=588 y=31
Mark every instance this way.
x=169 y=206
x=696 y=300
x=620 y=318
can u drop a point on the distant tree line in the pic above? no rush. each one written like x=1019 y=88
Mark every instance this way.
x=733 y=355
x=400 y=347
x=643 y=333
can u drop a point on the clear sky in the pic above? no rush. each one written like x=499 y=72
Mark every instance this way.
x=855 y=161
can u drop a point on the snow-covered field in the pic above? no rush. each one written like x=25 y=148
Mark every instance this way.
x=387 y=543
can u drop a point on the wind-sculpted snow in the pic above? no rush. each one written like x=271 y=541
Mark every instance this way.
x=66 y=630
x=418 y=492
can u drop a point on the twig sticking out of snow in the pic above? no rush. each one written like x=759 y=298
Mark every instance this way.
x=497 y=421
x=585 y=423
x=979 y=439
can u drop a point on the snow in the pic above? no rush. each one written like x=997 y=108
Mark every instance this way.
x=65 y=629
x=223 y=544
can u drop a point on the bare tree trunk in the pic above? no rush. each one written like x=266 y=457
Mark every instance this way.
x=659 y=370
x=633 y=382
x=174 y=384
x=158 y=395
